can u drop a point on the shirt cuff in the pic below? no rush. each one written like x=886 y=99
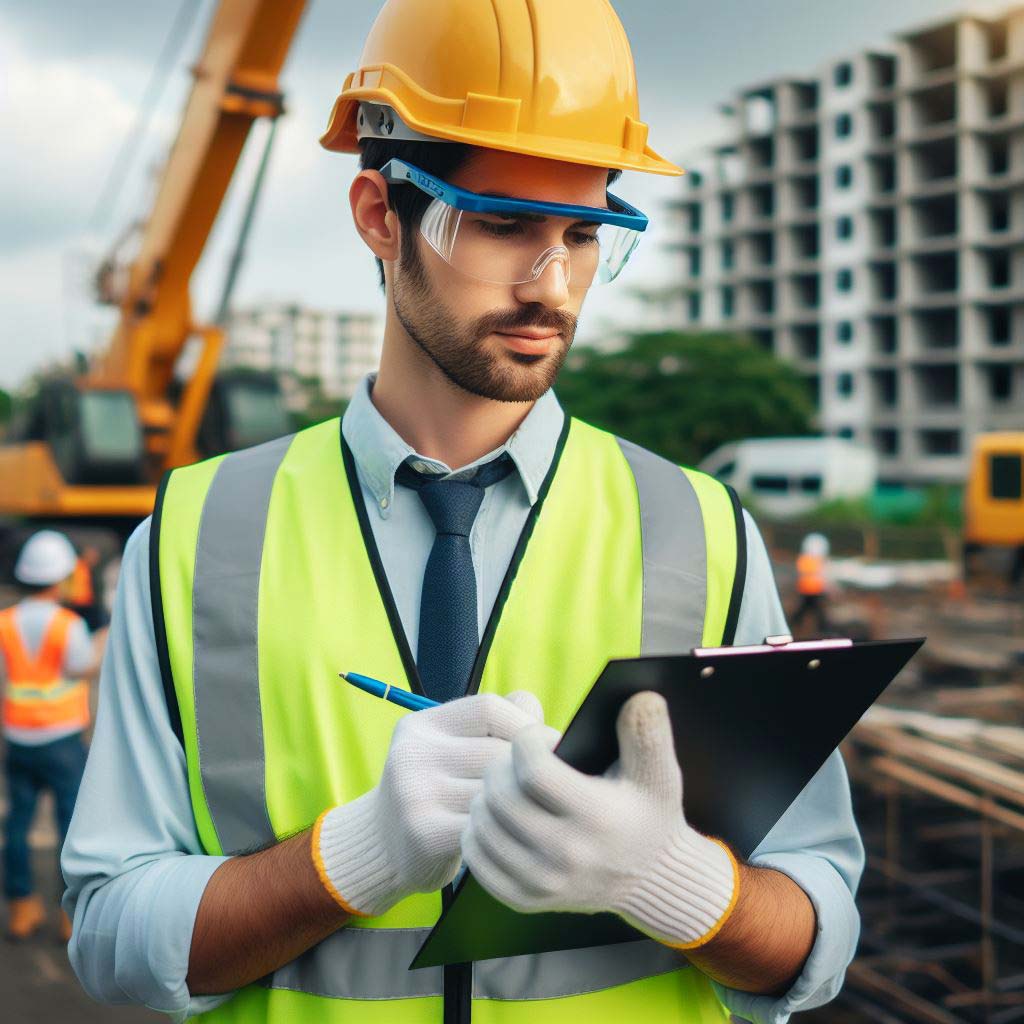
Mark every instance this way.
x=838 y=929
x=175 y=902
x=131 y=943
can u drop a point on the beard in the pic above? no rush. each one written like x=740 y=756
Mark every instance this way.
x=456 y=350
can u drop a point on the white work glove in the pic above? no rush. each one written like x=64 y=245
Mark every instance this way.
x=543 y=836
x=402 y=837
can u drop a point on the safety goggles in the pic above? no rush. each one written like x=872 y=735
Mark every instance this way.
x=509 y=241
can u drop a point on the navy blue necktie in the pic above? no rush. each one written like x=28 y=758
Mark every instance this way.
x=449 y=633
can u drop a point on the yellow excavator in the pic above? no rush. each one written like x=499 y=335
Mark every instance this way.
x=994 y=502
x=90 y=448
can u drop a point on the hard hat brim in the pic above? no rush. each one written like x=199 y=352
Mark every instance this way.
x=341 y=137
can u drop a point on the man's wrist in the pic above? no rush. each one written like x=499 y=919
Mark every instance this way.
x=687 y=894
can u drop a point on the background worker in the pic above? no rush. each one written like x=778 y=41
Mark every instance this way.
x=812 y=584
x=45 y=656
x=278 y=840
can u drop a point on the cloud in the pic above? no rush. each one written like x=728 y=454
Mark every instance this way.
x=101 y=29
x=65 y=123
x=45 y=315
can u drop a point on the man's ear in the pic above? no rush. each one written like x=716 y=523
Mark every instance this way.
x=377 y=224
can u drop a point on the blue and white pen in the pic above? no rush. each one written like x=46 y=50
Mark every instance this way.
x=403 y=698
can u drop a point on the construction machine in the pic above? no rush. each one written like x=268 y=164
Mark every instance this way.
x=994 y=500
x=91 y=447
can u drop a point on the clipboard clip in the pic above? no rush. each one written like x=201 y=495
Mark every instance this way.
x=782 y=642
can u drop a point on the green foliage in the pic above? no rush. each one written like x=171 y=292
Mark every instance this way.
x=937 y=505
x=683 y=395
x=843 y=512
x=6 y=406
x=317 y=411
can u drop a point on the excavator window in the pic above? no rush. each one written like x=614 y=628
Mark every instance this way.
x=1005 y=477
x=110 y=430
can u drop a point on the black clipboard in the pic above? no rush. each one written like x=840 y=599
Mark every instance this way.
x=752 y=725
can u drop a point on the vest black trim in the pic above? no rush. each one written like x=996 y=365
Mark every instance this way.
x=517 y=558
x=156 y=600
x=372 y=552
x=740 y=578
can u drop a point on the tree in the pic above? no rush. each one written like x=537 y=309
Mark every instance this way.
x=317 y=407
x=682 y=395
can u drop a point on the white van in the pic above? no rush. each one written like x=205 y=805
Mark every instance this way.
x=788 y=476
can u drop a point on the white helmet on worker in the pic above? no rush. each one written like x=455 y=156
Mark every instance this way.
x=47 y=558
x=815 y=544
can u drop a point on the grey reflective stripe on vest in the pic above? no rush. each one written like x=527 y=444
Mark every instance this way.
x=361 y=963
x=675 y=554
x=225 y=666
x=370 y=963
x=572 y=972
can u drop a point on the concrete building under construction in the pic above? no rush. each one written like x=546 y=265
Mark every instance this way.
x=865 y=223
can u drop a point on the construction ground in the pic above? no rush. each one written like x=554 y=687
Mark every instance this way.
x=938 y=776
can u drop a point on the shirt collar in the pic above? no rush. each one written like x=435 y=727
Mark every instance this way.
x=379 y=450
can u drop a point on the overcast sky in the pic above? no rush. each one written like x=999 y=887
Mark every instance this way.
x=72 y=76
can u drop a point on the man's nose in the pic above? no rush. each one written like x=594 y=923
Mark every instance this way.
x=550 y=288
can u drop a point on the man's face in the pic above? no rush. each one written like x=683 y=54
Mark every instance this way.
x=505 y=342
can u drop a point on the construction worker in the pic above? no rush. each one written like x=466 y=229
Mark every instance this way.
x=812 y=583
x=256 y=841
x=45 y=653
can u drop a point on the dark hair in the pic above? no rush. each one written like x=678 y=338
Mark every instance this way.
x=31 y=589
x=440 y=159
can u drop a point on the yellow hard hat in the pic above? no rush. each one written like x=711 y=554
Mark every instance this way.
x=546 y=78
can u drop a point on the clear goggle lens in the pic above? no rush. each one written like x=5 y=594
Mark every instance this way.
x=517 y=249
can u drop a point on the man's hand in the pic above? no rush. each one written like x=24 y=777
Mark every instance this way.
x=543 y=836
x=262 y=910
x=403 y=836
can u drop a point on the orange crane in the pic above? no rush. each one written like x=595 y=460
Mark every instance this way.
x=91 y=448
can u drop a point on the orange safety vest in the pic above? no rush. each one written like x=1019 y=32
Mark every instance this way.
x=80 y=592
x=810 y=574
x=37 y=695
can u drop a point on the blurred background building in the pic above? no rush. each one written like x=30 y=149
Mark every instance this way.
x=317 y=354
x=865 y=224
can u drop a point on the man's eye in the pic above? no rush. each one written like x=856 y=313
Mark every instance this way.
x=583 y=238
x=500 y=229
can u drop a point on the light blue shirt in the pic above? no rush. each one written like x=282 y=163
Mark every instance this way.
x=133 y=862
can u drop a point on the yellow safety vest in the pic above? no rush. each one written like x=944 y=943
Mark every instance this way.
x=267 y=583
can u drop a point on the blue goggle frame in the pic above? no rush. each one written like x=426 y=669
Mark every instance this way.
x=619 y=212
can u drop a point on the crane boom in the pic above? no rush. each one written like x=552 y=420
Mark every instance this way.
x=93 y=447
x=236 y=82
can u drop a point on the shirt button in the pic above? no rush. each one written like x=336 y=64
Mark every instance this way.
x=384 y=502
